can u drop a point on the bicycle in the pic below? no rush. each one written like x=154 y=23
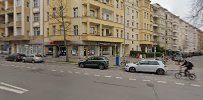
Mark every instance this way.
x=181 y=74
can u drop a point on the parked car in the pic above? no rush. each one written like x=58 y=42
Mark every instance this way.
x=96 y=61
x=33 y=59
x=156 y=66
x=15 y=57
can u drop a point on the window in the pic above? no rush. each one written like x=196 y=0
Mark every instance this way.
x=153 y=63
x=144 y=63
x=48 y=31
x=18 y=3
x=108 y=32
x=121 y=19
x=75 y=12
x=61 y=29
x=92 y=13
x=132 y=36
x=132 y=42
x=132 y=11
x=127 y=35
x=117 y=33
x=121 y=33
x=28 y=18
x=74 y=50
x=117 y=4
x=54 y=11
x=75 y=29
x=144 y=14
x=133 y=17
x=54 y=29
x=18 y=16
x=28 y=4
x=18 y=30
x=128 y=10
x=132 y=23
x=137 y=25
x=36 y=31
x=92 y=30
x=137 y=14
x=137 y=37
x=36 y=3
x=117 y=18
x=145 y=26
x=36 y=17
x=128 y=23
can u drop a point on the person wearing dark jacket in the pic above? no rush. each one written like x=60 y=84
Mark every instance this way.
x=188 y=66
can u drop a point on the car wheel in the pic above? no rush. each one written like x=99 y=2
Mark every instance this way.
x=81 y=65
x=101 y=67
x=132 y=70
x=33 y=61
x=15 y=60
x=160 y=72
x=24 y=61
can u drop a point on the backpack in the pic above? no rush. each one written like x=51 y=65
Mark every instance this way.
x=189 y=64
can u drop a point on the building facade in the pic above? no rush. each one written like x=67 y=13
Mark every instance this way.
x=95 y=28
x=24 y=26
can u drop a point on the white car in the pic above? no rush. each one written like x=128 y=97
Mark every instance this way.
x=147 y=66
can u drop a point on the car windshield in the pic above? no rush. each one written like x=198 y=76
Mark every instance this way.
x=38 y=55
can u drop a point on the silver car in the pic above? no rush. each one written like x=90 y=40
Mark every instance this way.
x=33 y=59
x=147 y=66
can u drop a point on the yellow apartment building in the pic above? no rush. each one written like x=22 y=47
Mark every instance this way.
x=146 y=26
x=95 y=28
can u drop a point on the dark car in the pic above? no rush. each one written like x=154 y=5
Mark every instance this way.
x=15 y=57
x=100 y=62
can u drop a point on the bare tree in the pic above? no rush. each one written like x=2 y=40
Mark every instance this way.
x=61 y=17
x=197 y=13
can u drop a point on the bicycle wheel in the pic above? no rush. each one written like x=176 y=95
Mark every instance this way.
x=178 y=75
x=192 y=76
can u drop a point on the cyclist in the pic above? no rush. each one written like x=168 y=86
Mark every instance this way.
x=188 y=66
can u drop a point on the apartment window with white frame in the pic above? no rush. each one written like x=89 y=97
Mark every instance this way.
x=19 y=16
x=36 y=31
x=75 y=31
x=18 y=3
x=117 y=31
x=36 y=17
x=61 y=29
x=75 y=12
x=36 y=3
x=18 y=30
x=117 y=18
x=92 y=13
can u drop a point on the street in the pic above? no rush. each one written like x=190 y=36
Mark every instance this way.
x=49 y=81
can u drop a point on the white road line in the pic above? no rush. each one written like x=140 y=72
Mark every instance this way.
x=196 y=85
x=13 y=86
x=108 y=76
x=97 y=75
x=53 y=70
x=86 y=73
x=11 y=90
x=132 y=79
x=119 y=77
x=180 y=83
x=146 y=80
x=61 y=71
x=28 y=67
x=162 y=82
x=12 y=65
x=70 y=72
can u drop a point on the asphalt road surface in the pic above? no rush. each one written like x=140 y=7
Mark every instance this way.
x=25 y=81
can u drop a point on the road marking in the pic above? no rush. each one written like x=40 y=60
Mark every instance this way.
x=28 y=67
x=146 y=80
x=196 y=85
x=70 y=72
x=180 y=83
x=61 y=71
x=108 y=76
x=19 y=88
x=11 y=88
x=12 y=65
x=97 y=75
x=162 y=82
x=86 y=73
x=132 y=79
x=119 y=77
x=53 y=70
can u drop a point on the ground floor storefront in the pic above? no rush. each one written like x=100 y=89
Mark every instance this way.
x=84 y=50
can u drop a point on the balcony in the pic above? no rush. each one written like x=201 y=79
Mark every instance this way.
x=10 y=24
x=98 y=3
x=16 y=38
x=2 y=25
x=143 y=42
x=18 y=23
x=87 y=37
x=100 y=21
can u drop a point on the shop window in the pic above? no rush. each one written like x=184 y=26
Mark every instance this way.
x=74 y=50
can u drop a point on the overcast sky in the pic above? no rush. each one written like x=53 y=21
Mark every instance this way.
x=178 y=7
